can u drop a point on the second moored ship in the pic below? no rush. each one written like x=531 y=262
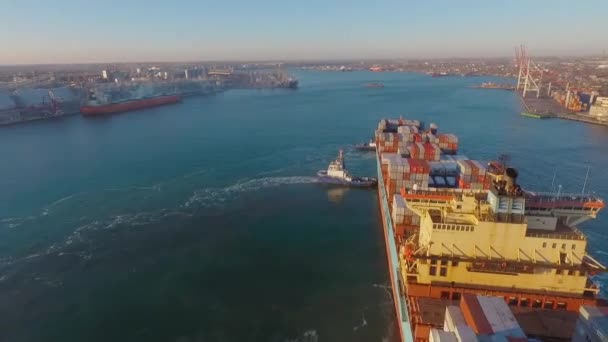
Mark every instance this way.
x=107 y=105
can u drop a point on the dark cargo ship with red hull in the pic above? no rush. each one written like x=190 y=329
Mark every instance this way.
x=128 y=105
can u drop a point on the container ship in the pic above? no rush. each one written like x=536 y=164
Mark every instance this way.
x=96 y=107
x=456 y=227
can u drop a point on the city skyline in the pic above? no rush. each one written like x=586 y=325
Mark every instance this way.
x=114 y=32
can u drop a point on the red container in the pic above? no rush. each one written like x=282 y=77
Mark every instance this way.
x=474 y=315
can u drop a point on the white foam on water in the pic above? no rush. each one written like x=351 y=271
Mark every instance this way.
x=61 y=200
x=271 y=172
x=79 y=235
x=31 y=256
x=10 y=219
x=197 y=173
x=215 y=196
x=80 y=239
x=13 y=222
x=155 y=187
x=363 y=323
x=46 y=210
x=309 y=335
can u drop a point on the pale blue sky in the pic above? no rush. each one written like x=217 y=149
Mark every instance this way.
x=68 y=31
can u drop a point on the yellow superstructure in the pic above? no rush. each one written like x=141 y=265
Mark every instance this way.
x=486 y=239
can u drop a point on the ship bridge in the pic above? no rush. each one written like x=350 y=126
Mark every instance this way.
x=573 y=209
x=430 y=199
x=443 y=200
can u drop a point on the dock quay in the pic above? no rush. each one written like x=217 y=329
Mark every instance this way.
x=583 y=118
x=542 y=107
x=548 y=108
x=492 y=85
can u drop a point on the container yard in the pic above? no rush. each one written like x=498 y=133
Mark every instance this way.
x=458 y=230
x=545 y=94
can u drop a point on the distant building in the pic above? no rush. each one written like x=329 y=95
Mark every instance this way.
x=186 y=74
x=104 y=74
x=600 y=107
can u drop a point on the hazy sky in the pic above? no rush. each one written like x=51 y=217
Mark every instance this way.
x=68 y=31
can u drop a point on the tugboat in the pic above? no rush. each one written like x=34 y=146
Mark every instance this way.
x=368 y=146
x=337 y=174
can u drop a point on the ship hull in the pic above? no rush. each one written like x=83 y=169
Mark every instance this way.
x=129 y=105
x=404 y=327
x=363 y=182
x=365 y=147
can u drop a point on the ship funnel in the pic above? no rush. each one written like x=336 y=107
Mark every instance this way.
x=433 y=128
x=510 y=178
x=511 y=172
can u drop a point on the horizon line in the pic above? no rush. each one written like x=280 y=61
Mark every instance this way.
x=298 y=60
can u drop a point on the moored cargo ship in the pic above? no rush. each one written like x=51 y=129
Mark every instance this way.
x=455 y=226
x=95 y=108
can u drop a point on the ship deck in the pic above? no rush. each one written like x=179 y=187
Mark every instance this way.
x=546 y=325
x=432 y=310
x=506 y=290
x=399 y=298
x=562 y=231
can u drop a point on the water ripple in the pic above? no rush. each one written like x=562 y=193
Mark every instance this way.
x=216 y=196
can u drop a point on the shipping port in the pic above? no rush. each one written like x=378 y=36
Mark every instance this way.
x=464 y=239
x=46 y=94
x=544 y=95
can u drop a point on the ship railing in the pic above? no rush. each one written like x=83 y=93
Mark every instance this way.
x=591 y=262
x=578 y=235
x=401 y=302
x=454 y=227
x=553 y=197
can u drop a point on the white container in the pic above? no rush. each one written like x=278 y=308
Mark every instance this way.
x=436 y=335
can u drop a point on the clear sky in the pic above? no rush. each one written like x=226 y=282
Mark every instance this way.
x=72 y=31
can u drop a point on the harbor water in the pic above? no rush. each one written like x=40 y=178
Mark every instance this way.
x=202 y=221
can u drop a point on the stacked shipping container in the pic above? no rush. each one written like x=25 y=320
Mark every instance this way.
x=405 y=172
x=411 y=157
x=491 y=316
x=387 y=142
x=448 y=143
x=479 y=318
x=407 y=130
x=592 y=324
x=405 y=221
x=473 y=175
x=403 y=137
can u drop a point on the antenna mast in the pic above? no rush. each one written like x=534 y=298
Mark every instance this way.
x=586 y=178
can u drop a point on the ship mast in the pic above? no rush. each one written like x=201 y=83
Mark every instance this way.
x=586 y=178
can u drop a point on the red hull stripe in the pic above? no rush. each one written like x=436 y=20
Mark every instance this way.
x=129 y=105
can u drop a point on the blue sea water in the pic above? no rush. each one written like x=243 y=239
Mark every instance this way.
x=202 y=221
